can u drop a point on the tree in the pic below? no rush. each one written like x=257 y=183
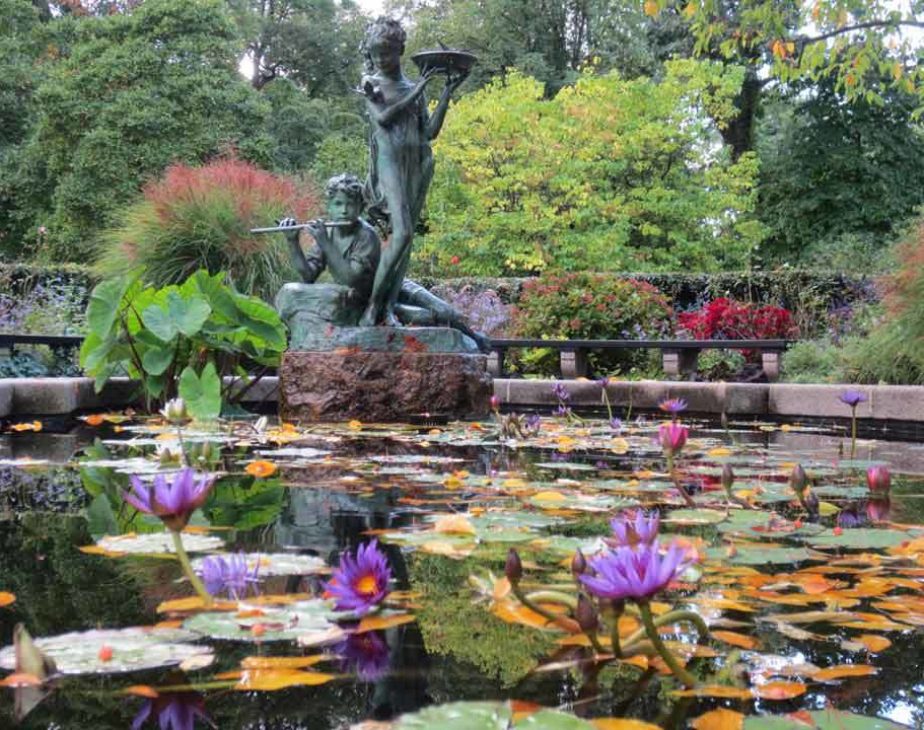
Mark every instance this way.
x=131 y=94
x=314 y=43
x=833 y=172
x=614 y=174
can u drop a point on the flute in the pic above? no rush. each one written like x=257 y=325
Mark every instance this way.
x=298 y=226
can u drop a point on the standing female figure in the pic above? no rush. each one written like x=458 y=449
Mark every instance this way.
x=401 y=161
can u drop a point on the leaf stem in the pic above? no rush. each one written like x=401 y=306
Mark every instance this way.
x=188 y=569
x=669 y=659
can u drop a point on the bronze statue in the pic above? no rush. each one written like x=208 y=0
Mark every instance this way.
x=369 y=285
x=401 y=162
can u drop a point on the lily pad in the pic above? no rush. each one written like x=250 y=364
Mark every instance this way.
x=861 y=538
x=760 y=556
x=157 y=543
x=264 y=623
x=824 y=720
x=459 y=716
x=696 y=516
x=271 y=564
x=132 y=650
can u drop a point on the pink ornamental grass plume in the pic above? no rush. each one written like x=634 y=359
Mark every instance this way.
x=361 y=582
x=172 y=501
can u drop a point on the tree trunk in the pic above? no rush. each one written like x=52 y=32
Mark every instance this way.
x=739 y=133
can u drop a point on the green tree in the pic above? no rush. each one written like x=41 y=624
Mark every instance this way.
x=835 y=175
x=613 y=174
x=131 y=94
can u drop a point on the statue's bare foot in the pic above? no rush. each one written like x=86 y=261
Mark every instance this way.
x=391 y=320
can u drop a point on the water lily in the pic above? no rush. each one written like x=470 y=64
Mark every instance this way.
x=228 y=574
x=672 y=437
x=634 y=573
x=878 y=508
x=173 y=711
x=643 y=529
x=673 y=405
x=366 y=654
x=495 y=403
x=852 y=398
x=878 y=479
x=261 y=468
x=173 y=501
x=798 y=479
x=174 y=411
x=361 y=582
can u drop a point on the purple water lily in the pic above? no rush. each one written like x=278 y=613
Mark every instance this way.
x=642 y=529
x=228 y=574
x=673 y=405
x=561 y=392
x=634 y=573
x=852 y=398
x=174 y=711
x=174 y=501
x=361 y=582
x=366 y=654
x=616 y=426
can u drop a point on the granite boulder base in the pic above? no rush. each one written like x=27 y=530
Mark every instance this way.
x=394 y=374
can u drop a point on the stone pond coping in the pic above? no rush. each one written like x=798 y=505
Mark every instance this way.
x=61 y=396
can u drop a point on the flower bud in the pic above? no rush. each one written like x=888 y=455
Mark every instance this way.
x=878 y=479
x=798 y=479
x=586 y=615
x=260 y=424
x=810 y=502
x=878 y=509
x=513 y=568
x=578 y=563
x=175 y=411
x=728 y=477
x=495 y=403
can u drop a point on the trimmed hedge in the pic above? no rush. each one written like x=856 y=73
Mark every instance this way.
x=22 y=278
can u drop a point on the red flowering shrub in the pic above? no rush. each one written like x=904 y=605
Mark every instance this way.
x=592 y=306
x=200 y=217
x=728 y=319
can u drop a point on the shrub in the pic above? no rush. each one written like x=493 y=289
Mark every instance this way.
x=727 y=319
x=814 y=361
x=592 y=306
x=720 y=364
x=484 y=310
x=179 y=339
x=200 y=218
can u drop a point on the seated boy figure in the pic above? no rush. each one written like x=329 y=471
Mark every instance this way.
x=350 y=248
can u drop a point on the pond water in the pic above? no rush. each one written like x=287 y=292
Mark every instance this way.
x=805 y=616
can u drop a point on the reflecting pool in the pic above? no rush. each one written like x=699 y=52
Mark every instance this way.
x=814 y=615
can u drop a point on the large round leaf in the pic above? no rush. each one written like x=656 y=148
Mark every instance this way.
x=129 y=650
x=270 y=564
x=156 y=543
x=265 y=623
x=824 y=720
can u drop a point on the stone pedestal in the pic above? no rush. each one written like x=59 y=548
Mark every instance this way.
x=382 y=385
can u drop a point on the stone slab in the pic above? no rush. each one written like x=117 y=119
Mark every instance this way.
x=794 y=399
x=382 y=386
x=386 y=339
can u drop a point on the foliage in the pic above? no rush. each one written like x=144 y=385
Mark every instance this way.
x=311 y=42
x=200 y=218
x=592 y=306
x=615 y=174
x=720 y=364
x=179 y=339
x=813 y=361
x=727 y=319
x=837 y=178
x=128 y=95
x=484 y=310
x=865 y=48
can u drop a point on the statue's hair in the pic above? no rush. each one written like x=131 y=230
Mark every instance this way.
x=345 y=183
x=384 y=30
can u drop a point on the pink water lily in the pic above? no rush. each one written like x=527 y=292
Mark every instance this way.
x=672 y=437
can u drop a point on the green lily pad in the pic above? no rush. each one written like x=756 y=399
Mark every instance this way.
x=861 y=538
x=837 y=491
x=132 y=650
x=585 y=502
x=760 y=556
x=824 y=720
x=459 y=716
x=271 y=564
x=696 y=516
x=565 y=466
x=287 y=623
x=157 y=543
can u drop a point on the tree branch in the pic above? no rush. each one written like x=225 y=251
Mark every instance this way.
x=859 y=26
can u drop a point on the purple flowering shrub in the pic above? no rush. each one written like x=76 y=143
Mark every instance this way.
x=484 y=310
